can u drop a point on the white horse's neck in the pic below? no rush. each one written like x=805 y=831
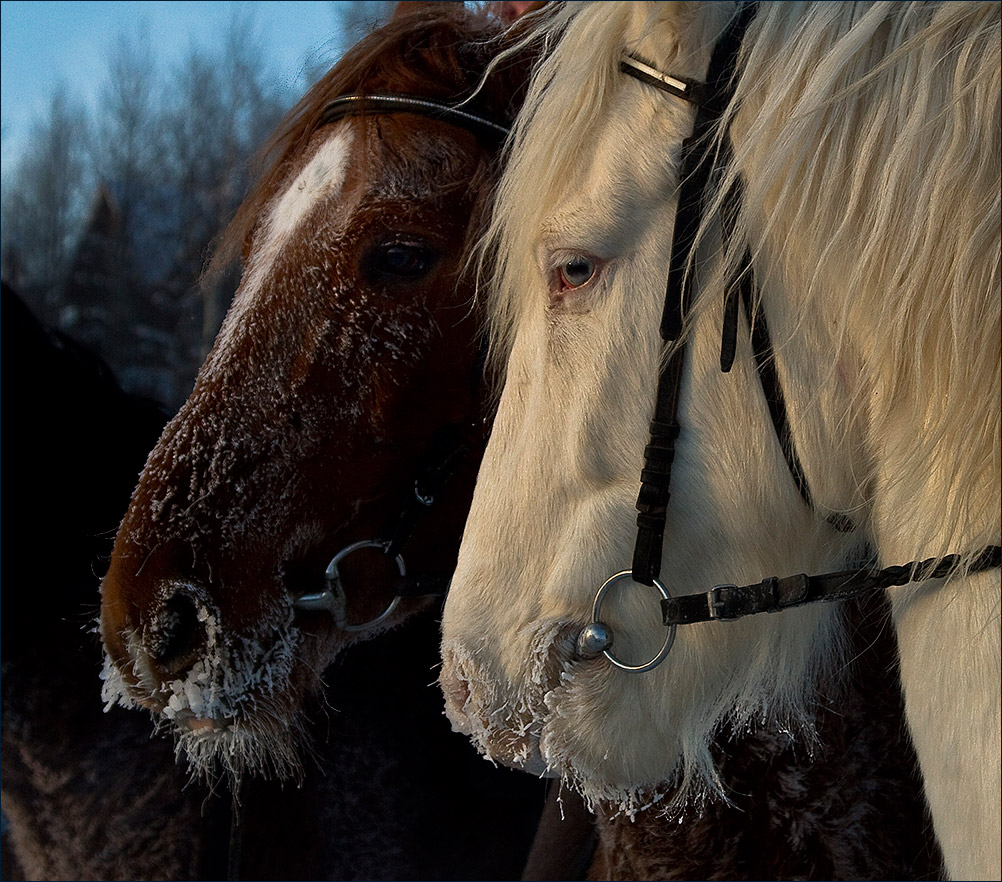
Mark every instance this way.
x=871 y=159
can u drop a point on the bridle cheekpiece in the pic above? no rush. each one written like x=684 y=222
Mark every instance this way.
x=451 y=444
x=773 y=594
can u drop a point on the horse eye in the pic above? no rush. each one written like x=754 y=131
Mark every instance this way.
x=576 y=272
x=404 y=261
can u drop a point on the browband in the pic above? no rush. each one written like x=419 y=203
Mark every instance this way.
x=366 y=105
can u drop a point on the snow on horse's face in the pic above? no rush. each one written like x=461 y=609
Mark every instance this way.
x=349 y=345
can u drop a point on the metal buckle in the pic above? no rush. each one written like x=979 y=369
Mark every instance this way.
x=334 y=601
x=717 y=604
x=599 y=636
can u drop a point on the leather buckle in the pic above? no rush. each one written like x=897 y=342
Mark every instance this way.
x=718 y=605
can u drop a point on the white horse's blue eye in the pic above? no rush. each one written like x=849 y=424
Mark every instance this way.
x=576 y=272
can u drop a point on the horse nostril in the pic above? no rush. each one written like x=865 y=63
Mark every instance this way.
x=176 y=639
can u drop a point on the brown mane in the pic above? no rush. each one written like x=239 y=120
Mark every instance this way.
x=440 y=53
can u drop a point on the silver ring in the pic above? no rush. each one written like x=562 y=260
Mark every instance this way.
x=669 y=639
x=333 y=578
x=333 y=600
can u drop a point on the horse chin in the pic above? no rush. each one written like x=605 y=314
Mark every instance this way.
x=555 y=723
x=238 y=710
x=506 y=734
x=261 y=731
x=191 y=723
x=261 y=746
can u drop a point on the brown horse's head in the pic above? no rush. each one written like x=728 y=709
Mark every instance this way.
x=347 y=359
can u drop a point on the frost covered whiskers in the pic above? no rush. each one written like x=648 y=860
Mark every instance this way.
x=212 y=707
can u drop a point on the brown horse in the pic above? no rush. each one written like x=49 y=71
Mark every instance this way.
x=288 y=505
x=348 y=346
x=89 y=795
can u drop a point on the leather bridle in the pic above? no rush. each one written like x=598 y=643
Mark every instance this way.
x=450 y=446
x=702 y=156
x=378 y=103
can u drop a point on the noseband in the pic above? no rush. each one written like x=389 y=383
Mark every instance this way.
x=449 y=447
x=723 y=602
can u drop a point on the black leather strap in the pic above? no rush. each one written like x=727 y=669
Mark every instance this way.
x=740 y=291
x=451 y=444
x=728 y=602
x=368 y=105
x=681 y=87
x=448 y=448
x=421 y=585
x=697 y=164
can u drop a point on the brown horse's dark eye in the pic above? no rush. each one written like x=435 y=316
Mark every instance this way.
x=403 y=261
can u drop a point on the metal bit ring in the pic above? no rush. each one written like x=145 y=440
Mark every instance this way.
x=596 y=621
x=334 y=601
x=333 y=578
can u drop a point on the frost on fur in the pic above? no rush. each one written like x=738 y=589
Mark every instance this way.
x=543 y=728
x=236 y=684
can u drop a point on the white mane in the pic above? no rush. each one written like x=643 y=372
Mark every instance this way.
x=574 y=84
x=869 y=136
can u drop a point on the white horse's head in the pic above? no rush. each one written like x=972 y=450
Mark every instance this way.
x=584 y=229
x=867 y=136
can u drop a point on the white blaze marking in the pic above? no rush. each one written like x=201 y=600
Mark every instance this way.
x=322 y=178
x=324 y=175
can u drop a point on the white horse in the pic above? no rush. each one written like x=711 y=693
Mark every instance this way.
x=867 y=138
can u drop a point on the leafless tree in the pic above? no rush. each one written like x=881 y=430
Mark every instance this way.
x=173 y=150
x=220 y=107
x=116 y=217
x=129 y=144
x=358 y=17
x=45 y=199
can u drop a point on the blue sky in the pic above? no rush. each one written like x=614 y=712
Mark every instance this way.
x=43 y=44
